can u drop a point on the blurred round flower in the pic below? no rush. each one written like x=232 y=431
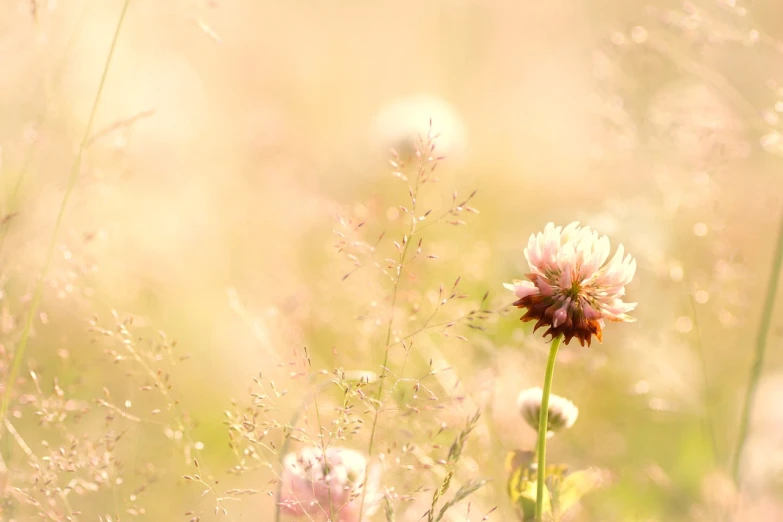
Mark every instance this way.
x=400 y=123
x=311 y=480
x=562 y=412
x=571 y=289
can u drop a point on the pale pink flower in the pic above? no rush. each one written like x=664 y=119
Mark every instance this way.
x=311 y=481
x=571 y=288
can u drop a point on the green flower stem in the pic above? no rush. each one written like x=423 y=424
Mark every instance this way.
x=542 y=428
x=761 y=348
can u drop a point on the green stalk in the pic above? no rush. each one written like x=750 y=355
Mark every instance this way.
x=73 y=176
x=542 y=428
x=761 y=348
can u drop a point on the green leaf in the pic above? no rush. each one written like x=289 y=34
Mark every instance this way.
x=526 y=500
x=522 y=484
x=576 y=485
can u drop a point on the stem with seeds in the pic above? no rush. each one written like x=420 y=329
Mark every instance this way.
x=542 y=428
x=761 y=348
x=384 y=370
x=423 y=155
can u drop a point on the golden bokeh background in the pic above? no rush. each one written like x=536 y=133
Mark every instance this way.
x=229 y=135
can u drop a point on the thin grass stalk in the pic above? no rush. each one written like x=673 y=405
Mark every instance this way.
x=414 y=191
x=760 y=352
x=382 y=377
x=27 y=159
x=73 y=176
x=708 y=425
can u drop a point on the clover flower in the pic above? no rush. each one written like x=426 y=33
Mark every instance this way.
x=562 y=412
x=321 y=486
x=571 y=288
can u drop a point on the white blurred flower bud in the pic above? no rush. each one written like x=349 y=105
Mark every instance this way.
x=562 y=412
x=400 y=123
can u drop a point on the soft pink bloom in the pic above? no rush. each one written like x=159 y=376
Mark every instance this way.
x=310 y=481
x=571 y=288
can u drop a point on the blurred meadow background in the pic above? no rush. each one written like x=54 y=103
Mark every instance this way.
x=174 y=306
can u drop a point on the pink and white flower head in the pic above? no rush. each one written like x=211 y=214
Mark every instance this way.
x=571 y=288
x=311 y=481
